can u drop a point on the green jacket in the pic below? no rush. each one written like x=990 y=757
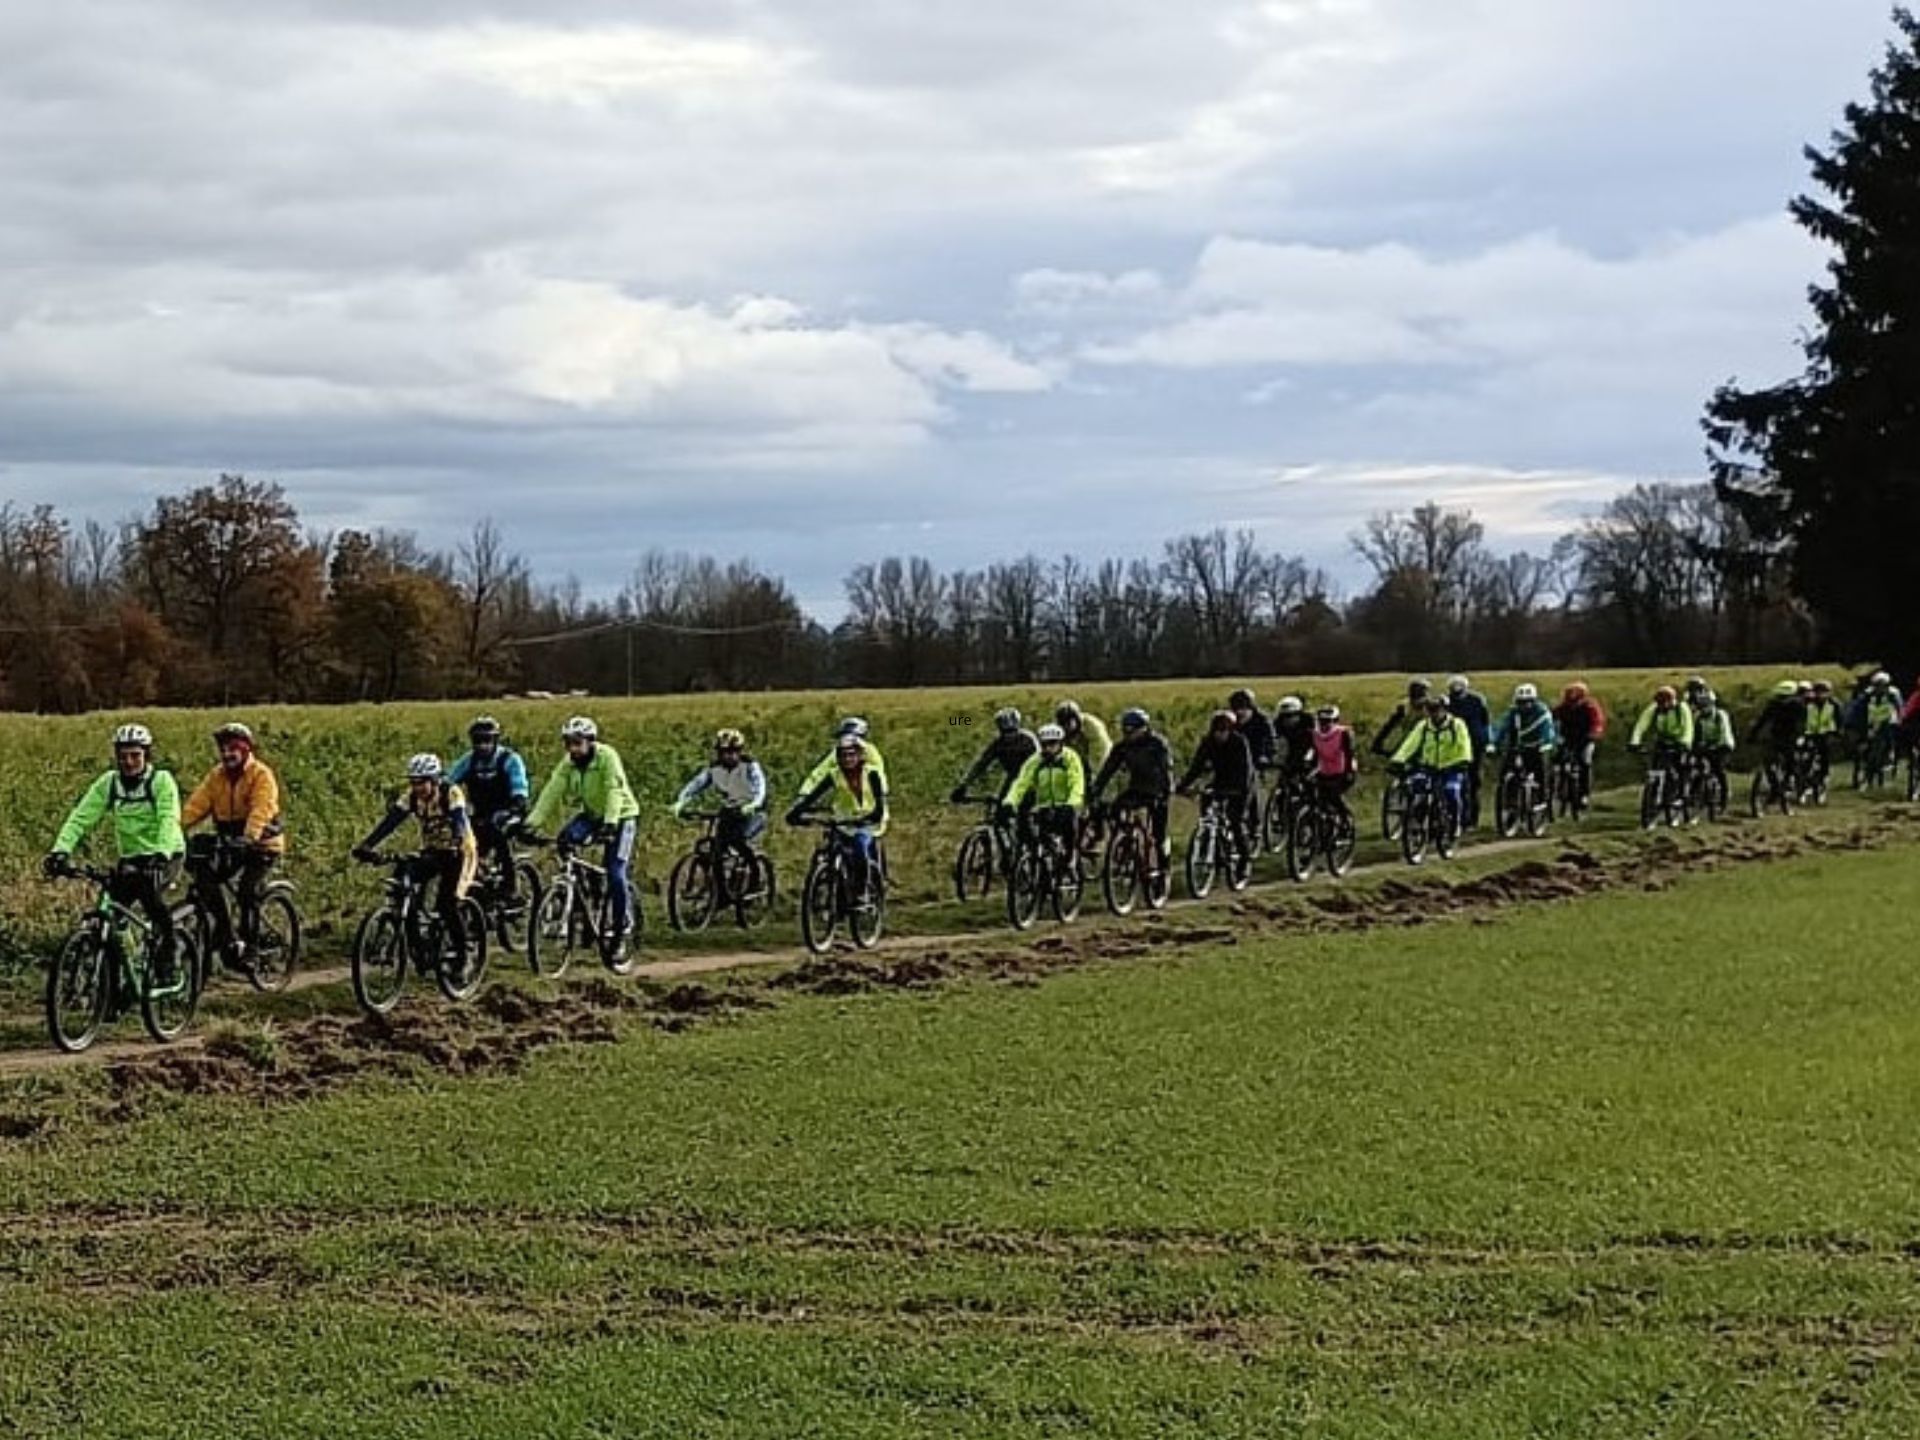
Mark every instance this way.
x=1823 y=718
x=1093 y=744
x=1713 y=730
x=1436 y=747
x=1674 y=726
x=876 y=762
x=146 y=815
x=599 y=789
x=1061 y=781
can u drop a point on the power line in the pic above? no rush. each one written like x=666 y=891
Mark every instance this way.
x=637 y=622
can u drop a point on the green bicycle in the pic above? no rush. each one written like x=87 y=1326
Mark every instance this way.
x=103 y=967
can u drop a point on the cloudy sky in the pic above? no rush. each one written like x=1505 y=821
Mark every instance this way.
x=815 y=282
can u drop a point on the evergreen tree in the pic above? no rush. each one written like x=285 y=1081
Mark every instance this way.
x=1828 y=465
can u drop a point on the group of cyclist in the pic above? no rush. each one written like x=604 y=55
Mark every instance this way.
x=1051 y=781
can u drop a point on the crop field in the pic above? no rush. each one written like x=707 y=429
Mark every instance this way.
x=1609 y=1134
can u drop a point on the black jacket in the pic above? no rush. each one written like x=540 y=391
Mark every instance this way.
x=1293 y=743
x=1009 y=752
x=1228 y=757
x=1148 y=761
x=1260 y=738
x=1394 y=729
x=1780 y=724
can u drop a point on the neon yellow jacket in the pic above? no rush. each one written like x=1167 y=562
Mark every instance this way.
x=1446 y=746
x=1059 y=782
x=1093 y=744
x=1823 y=718
x=875 y=761
x=146 y=815
x=599 y=789
x=1674 y=726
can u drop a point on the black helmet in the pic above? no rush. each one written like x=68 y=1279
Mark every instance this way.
x=1241 y=699
x=1133 y=719
x=1067 y=713
x=485 y=728
x=1006 y=721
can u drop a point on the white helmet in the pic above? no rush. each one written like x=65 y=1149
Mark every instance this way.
x=129 y=737
x=1525 y=691
x=1291 y=705
x=1457 y=685
x=853 y=725
x=424 y=767
x=1881 y=677
x=1052 y=735
x=580 y=727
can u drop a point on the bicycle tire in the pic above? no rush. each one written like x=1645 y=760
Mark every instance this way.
x=1023 y=891
x=517 y=926
x=81 y=975
x=167 y=1010
x=270 y=966
x=1120 y=882
x=1302 y=842
x=618 y=954
x=819 y=908
x=867 y=922
x=1343 y=838
x=1507 y=814
x=378 y=948
x=1413 y=832
x=973 y=865
x=1446 y=830
x=1393 y=809
x=692 y=892
x=1276 y=824
x=461 y=983
x=752 y=907
x=556 y=930
x=1203 y=858
x=1069 y=889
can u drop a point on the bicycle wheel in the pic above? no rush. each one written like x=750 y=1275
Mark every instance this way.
x=460 y=976
x=1414 y=825
x=1393 y=809
x=1276 y=825
x=819 y=908
x=867 y=914
x=557 y=931
x=516 y=923
x=1023 y=890
x=619 y=953
x=1538 y=808
x=1342 y=839
x=1446 y=827
x=1651 y=801
x=1302 y=843
x=973 y=866
x=1069 y=888
x=78 y=983
x=167 y=1008
x=754 y=903
x=379 y=966
x=273 y=953
x=1238 y=859
x=1203 y=858
x=691 y=892
x=1509 y=806
x=1120 y=876
x=1713 y=792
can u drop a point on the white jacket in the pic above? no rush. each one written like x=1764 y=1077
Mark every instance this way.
x=743 y=786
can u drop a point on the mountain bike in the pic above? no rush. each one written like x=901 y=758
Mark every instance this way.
x=1132 y=870
x=1572 y=785
x=1393 y=808
x=1813 y=773
x=1325 y=827
x=986 y=852
x=511 y=918
x=1707 y=788
x=1217 y=848
x=1291 y=794
x=1773 y=787
x=576 y=913
x=829 y=896
x=1520 y=799
x=712 y=877
x=1663 y=790
x=269 y=934
x=402 y=933
x=105 y=966
x=1045 y=867
x=1874 y=762
x=1432 y=817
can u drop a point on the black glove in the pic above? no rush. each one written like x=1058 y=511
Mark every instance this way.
x=959 y=794
x=1394 y=767
x=505 y=822
x=365 y=854
x=1005 y=813
x=56 y=864
x=796 y=815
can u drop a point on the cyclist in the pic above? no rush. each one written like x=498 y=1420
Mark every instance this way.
x=144 y=802
x=1049 y=790
x=1822 y=728
x=1696 y=687
x=1528 y=728
x=1086 y=735
x=591 y=785
x=1874 y=692
x=448 y=854
x=1148 y=760
x=1471 y=708
x=1882 y=711
x=1224 y=751
x=1406 y=716
x=1335 y=766
x=1777 y=730
x=242 y=798
x=1252 y=722
x=1439 y=744
x=1011 y=747
x=858 y=729
x=1713 y=735
x=1581 y=723
x=1667 y=721
x=1292 y=737
x=740 y=782
x=857 y=791
x=493 y=777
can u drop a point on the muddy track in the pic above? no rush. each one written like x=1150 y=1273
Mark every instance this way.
x=303 y=1058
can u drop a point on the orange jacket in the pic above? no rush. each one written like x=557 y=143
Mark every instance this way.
x=245 y=804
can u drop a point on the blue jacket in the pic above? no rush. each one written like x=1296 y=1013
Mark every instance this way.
x=1472 y=710
x=1529 y=726
x=500 y=783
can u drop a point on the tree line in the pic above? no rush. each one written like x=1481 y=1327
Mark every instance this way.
x=218 y=595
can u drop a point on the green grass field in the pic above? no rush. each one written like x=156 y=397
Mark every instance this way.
x=1633 y=1163
x=340 y=765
